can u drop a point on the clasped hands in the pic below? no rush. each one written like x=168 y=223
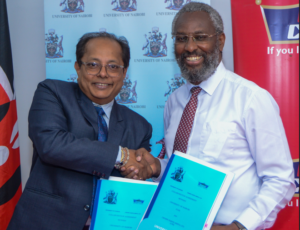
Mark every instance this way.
x=141 y=165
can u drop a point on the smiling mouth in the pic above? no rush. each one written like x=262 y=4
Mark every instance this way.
x=194 y=59
x=101 y=85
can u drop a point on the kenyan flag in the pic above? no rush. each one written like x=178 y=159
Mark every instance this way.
x=10 y=174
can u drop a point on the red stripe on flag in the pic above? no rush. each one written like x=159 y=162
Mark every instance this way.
x=7 y=209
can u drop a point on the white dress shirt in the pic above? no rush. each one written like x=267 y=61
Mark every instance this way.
x=107 y=110
x=238 y=128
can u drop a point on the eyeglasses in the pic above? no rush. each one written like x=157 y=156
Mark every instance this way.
x=198 y=38
x=94 y=68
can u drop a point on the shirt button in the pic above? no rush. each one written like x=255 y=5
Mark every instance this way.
x=86 y=207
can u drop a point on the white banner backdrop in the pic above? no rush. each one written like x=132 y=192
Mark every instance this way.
x=153 y=73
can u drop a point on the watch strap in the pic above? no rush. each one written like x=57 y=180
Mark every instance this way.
x=240 y=226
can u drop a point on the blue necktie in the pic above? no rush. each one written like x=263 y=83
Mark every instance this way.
x=102 y=126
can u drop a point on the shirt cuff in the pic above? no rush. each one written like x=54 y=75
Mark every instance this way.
x=250 y=219
x=119 y=155
x=163 y=165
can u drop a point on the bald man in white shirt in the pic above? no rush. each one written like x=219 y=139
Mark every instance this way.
x=236 y=125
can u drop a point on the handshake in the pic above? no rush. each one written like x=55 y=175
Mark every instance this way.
x=139 y=164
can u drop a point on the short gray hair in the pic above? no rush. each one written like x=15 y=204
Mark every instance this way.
x=197 y=6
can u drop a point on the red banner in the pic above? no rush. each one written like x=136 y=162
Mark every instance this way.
x=266 y=51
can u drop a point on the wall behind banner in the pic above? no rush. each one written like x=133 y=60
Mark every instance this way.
x=27 y=29
x=153 y=73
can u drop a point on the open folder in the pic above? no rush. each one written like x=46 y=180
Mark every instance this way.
x=121 y=203
x=188 y=196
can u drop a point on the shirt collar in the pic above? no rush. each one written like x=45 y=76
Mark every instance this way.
x=212 y=82
x=107 y=107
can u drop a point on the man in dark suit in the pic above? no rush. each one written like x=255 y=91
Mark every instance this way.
x=67 y=132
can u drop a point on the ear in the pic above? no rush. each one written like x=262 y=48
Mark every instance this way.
x=124 y=73
x=221 y=41
x=77 y=67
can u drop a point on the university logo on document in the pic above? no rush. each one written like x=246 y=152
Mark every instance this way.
x=111 y=197
x=178 y=174
x=72 y=6
x=53 y=45
x=124 y=5
x=281 y=22
x=155 y=45
x=174 y=84
x=128 y=93
x=296 y=171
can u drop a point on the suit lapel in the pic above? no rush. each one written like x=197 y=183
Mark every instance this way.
x=88 y=110
x=116 y=126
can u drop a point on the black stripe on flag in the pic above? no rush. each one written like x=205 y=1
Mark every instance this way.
x=9 y=189
x=5 y=48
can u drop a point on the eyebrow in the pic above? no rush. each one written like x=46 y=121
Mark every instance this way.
x=196 y=32
x=109 y=61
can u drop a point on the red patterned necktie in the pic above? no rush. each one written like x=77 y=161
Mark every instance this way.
x=186 y=122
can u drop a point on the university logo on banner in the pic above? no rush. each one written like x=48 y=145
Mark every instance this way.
x=124 y=5
x=128 y=93
x=155 y=45
x=72 y=6
x=282 y=23
x=53 y=45
x=73 y=78
x=174 y=84
x=177 y=4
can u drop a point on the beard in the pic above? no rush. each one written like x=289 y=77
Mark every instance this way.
x=209 y=65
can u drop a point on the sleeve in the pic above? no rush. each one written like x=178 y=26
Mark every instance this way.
x=164 y=162
x=269 y=148
x=56 y=145
x=146 y=141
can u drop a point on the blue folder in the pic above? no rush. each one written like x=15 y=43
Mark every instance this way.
x=188 y=196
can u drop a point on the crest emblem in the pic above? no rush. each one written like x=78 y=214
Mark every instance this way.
x=176 y=4
x=72 y=6
x=174 y=84
x=73 y=78
x=124 y=5
x=127 y=94
x=53 y=45
x=111 y=197
x=282 y=23
x=178 y=174
x=102 y=30
x=155 y=46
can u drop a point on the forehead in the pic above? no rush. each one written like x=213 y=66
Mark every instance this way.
x=191 y=22
x=103 y=47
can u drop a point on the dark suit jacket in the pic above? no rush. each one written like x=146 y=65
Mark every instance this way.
x=63 y=128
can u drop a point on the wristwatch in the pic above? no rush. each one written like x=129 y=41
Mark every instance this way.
x=240 y=226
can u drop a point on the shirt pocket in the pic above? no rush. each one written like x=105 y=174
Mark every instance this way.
x=214 y=137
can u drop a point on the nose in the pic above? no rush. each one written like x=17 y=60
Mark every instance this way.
x=102 y=72
x=191 y=45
